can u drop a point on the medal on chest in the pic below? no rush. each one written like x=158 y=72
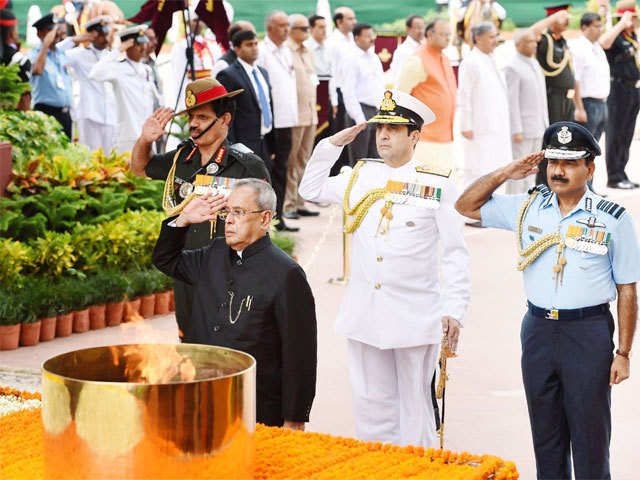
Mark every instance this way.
x=215 y=185
x=588 y=240
x=422 y=196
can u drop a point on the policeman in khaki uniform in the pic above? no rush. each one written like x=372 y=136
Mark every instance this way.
x=396 y=306
x=577 y=252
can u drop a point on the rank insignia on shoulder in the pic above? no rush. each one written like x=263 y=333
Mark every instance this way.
x=435 y=170
x=240 y=148
x=611 y=208
x=543 y=189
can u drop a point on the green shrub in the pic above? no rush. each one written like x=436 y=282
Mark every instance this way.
x=53 y=254
x=9 y=310
x=283 y=241
x=115 y=285
x=141 y=283
x=30 y=133
x=11 y=86
x=14 y=258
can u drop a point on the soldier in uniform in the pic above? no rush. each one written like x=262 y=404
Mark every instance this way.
x=553 y=55
x=396 y=306
x=577 y=252
x=207 y=155
x=624 y=99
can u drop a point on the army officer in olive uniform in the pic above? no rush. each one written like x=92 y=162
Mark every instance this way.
x=578 y=252
x=207 y=153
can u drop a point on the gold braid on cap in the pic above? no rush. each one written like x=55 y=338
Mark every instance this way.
x=168 y=201
x=537 y=248
x=559 y=66
x=361 y=208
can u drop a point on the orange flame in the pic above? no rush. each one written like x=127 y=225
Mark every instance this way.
x=152 y=362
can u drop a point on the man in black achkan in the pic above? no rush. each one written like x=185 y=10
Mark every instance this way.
x=249 y=295
x=207 y=153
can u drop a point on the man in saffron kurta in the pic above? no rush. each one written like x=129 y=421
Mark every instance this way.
x=428 y=76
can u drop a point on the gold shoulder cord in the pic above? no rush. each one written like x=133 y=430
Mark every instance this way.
x=532 y=252
x=364 y=204
x=558 y=67
x=167 y=196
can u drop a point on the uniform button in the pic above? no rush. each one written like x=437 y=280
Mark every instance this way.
x=410 y=224
x=238 y=262
x=377 y=286
x=216 y=328
x=379 y=259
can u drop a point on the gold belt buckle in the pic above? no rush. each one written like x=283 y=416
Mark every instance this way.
x=552 y=314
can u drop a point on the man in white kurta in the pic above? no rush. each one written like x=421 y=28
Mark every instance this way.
x=483 y=107
x=415 y=37
x=402 y=294
x=96 y=108
x=133 y=85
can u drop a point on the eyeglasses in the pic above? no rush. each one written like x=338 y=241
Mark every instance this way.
x=236 y=212
x=304 y=29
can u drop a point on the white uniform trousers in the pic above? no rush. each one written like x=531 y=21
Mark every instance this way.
x=95 y=135
x=391 y=392
x=526 y=147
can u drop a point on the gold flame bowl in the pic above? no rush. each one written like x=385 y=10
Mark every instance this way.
x=149 y=411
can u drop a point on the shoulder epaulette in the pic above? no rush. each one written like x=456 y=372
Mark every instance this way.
x=611 y=208
x=240 y=148
x=543 y=189
x=375 y=160
x=435 y=170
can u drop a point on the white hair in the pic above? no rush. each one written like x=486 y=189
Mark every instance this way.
x=265 y=195
x=268 y=20
x=480 y=29
x=520 y=34
x=296 y=17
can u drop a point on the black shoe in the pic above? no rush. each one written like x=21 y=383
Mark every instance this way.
x=283 y=227
x=303 y=212
x=623 y=185
x=291 y=215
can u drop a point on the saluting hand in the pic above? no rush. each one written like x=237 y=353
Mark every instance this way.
x=49 y=38
x=348 y=135
x=524 y=167
x=153 y=127
x=201 y=209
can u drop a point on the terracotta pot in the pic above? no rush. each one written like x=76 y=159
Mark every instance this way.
x=147 y=306
x=132 y=310
x=114 y=312
x=30 y=334
x=48 y=329
x=64 y=325
x=97 y=316
x=172 y=302
x=162 y=303
x=81 y=322
x=9 y=337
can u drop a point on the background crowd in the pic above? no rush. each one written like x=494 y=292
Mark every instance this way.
x=500 y=104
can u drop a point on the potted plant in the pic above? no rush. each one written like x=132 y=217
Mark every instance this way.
x=97 y=307
x=163 y=292
x=115 y=291
x=133 y=303
x=80 y=299
x=9 y=323
x=30 y=329
x=45 y=309
x=64 y=308
x=146 y=287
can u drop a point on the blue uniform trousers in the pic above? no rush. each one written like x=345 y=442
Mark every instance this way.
x=565 y=370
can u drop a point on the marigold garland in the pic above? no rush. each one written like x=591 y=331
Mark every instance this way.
x=281 y=454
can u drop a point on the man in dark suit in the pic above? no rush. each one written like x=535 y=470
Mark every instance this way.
x=253 y=121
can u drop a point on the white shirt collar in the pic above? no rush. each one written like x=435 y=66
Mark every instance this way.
x=248 y=68
x=410 y=42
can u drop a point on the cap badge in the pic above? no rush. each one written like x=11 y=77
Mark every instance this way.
x=564 y=135
x=190 y=99
x=388 y=104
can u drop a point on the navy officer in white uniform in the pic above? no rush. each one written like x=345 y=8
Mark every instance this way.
x=396 y=304
x=578 y=252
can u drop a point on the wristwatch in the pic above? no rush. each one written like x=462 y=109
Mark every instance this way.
x=626 y=355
